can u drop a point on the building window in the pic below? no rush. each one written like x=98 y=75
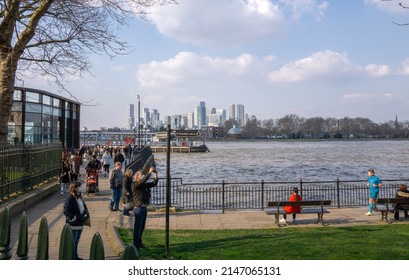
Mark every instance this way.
x=32 y=97
x=17 y=95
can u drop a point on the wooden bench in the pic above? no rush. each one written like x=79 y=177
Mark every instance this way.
x=385 y=206
x=310 y=209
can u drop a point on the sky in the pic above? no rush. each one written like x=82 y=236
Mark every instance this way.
x=311 y=58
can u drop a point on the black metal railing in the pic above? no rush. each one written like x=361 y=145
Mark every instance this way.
x=137 y=161
x=23 y=167
x=256 y=195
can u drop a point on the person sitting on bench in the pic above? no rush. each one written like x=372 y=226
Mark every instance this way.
x=292 y=209
x=401 y=193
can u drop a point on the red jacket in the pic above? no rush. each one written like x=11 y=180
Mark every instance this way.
x=293 y=209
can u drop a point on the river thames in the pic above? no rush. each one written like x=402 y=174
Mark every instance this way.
x=290 y=160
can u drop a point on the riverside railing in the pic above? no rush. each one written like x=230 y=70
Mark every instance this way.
x=256 y=195
x=23 y=167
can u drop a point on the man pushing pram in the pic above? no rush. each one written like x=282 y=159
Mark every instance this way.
x=93 y=168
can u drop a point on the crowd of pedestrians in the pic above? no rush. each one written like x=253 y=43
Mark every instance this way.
x=129 y=191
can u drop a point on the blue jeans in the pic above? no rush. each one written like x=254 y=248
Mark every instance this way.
x=115 y=198
x=140 y=214
x=77 y=235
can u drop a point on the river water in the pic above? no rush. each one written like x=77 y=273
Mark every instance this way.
x=284 y=160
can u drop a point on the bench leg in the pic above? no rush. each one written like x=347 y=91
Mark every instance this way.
x=276 y=218
x=320 y=218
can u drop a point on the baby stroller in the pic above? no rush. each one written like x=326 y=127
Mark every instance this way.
x=92 y=182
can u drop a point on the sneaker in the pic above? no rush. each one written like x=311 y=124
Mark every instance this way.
x=126 y=215
x=368 y=214
x=283 y=221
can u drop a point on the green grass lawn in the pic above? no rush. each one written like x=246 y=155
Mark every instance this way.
x=379 y=242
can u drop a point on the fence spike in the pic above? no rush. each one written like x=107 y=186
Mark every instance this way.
x=130 y=253
x=5 y=228
x=22 y=246
x=43 y=240
x=66 y=244
x=97 y=248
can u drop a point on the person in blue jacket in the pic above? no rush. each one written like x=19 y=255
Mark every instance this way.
x=373 y=183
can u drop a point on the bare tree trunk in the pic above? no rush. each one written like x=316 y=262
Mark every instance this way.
x=7 y=79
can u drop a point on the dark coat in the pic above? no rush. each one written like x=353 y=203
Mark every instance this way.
x=127 y=183
x=141 y=191
x=72 y=212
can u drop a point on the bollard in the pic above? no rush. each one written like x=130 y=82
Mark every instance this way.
x=5 y=228
x=97 y=248
x=130 y=253
x=66 y=244
x=43 y=240
x=22 y=246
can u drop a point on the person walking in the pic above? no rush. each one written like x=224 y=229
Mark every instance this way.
x=373 y=183
x=76 y=214
x=64 y=177
x=127 y=192
x=106 y=162
x=115 y=180
x=141 y=192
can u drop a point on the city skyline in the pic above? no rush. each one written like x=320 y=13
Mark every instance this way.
x=198 y=117
x=278 y=57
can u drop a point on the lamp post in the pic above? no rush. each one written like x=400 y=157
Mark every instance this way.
x=134 y=137
x=139 y=119
x=83 y=134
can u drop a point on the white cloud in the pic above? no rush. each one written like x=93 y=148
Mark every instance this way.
x=227 y=23
x=324 y=64
x=188 y=68
x=405 y=67
x=378 y=70
x=363 y=97
x=300 y=7
x=392 y=6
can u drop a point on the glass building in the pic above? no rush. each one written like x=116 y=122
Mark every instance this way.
x=40 y=117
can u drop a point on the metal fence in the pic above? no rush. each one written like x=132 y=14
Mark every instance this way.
x=256 y=195
x=23 y=167
x=136 y=162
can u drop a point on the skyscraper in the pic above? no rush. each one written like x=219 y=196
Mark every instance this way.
x=232 y=112
x=240 y=114
x=202 y=115
x=131 y=117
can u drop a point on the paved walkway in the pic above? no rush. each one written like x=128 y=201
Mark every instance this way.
x=105 y=222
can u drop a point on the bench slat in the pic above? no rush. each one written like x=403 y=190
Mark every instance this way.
x=299 y=203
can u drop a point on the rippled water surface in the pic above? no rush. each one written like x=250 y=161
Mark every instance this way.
x=290 y=160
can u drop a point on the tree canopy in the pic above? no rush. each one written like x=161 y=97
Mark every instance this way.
x=56 y=37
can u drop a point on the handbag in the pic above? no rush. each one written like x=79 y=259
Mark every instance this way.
x=129 y=205
x=86 y=218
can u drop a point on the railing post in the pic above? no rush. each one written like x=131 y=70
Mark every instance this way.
x=66 y=244
x=22 y=246
x=338 y=198
x=223 y=195
x=5 y=228
x=301 y=187
x=262 y=194
x=43 y=243
x=97 y=251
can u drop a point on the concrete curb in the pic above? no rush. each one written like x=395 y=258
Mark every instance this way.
x=21 y=203
x=115 y=240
